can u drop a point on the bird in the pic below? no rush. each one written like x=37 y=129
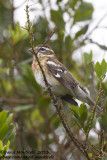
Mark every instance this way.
x=62 y=83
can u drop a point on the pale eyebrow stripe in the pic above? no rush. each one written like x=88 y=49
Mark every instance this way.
x=48 y=49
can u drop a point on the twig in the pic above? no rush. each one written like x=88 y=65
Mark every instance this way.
x=96 y=26
x=101 y=140
x=18 y=101
x=93 y=113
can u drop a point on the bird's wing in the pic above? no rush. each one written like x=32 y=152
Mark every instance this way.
x=60 y=72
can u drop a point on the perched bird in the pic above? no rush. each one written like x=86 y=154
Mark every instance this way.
x=61 y=81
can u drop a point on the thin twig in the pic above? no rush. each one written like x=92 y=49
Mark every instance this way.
x=96 y=26
x=18 y=101
x=93 y=113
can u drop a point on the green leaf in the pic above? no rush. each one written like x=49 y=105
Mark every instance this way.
x=9 y=132
x=81 y=32
x=98 y=69
x=3 y=130
x=88 y=57
x=68 y=43
x=57 y=17
x=83 y=111
x=6 y=147
x=84 y=12
x=9 y=118
x=17 y=34
x=103 y=121
x=75 y=112
x=103 y=67
x=36 y=118
x=1 y=145
x=55 y=122
x=74 y=2
x=6 y=127
x=3 y=117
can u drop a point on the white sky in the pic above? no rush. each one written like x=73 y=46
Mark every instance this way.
x=99 y=35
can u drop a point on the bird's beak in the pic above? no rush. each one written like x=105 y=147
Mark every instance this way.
x=30 y=50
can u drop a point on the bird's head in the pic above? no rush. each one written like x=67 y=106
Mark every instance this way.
x=43 y=51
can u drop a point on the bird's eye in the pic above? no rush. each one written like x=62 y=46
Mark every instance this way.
x=43 y=49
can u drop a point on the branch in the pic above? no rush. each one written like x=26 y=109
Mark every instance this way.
x=93 y=113
x=18 y=101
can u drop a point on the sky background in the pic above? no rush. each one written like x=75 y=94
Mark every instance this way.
x=99 y=35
